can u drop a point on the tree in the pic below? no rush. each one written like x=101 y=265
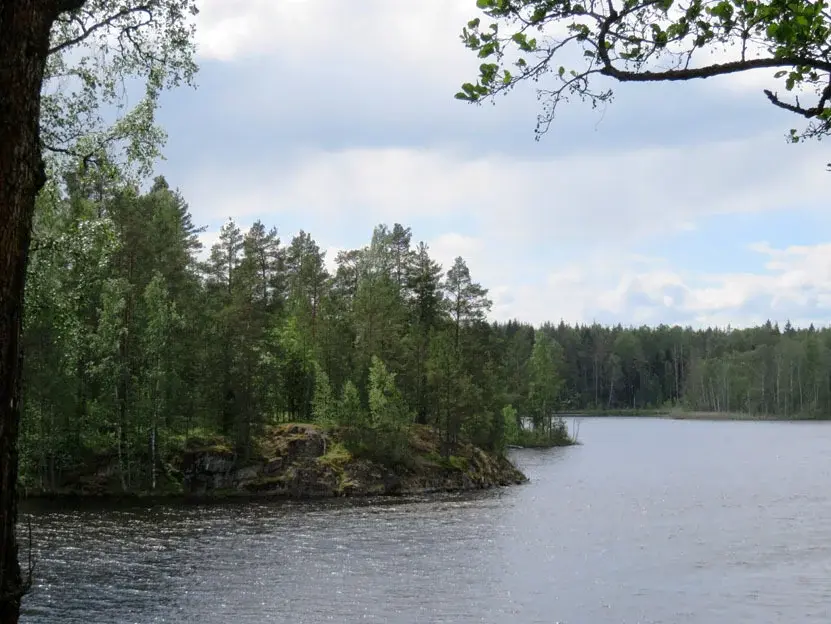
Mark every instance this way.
x=451 y=388
x=511 y=424
x=324 y=404
x=400 y=247
x=389 y=415
x=226 y=256
x=425 y=303
x=162 y=320
x=379 y=312
x=545 y=380
x=467 y=301
x=652 y=41
x=307 y=276
x=263 y=265
x=40 y=39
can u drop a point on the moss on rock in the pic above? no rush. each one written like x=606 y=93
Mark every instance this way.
x=298 y=460
x=304 y=461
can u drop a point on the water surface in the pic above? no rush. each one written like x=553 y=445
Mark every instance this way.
x=648 y=521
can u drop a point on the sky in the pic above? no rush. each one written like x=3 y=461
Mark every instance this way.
x=677 y=203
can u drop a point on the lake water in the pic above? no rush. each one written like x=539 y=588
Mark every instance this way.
x=648 y=521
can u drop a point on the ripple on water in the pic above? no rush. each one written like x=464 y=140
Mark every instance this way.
x=653 y=521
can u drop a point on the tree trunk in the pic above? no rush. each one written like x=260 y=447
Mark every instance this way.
x=24 y=46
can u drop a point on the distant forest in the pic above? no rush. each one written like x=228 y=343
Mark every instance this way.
x=135 y=342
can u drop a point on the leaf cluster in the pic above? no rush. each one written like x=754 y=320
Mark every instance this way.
x=577 y=46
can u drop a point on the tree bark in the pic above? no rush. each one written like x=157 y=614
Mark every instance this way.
x=24 y=47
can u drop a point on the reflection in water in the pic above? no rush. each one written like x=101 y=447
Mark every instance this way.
x=648 y=521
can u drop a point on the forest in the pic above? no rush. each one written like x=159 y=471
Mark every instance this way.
x=137 y=339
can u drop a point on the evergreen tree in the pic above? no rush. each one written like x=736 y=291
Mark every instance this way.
x=467 y=301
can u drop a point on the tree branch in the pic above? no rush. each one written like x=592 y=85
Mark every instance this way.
x=85 y=157
x=86 y=32
x=710 y=71
x=808 y=113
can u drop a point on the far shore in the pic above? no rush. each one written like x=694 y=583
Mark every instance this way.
x=676 y=414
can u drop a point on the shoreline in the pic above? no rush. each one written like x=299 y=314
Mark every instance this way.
x=689 y=415
x=295 y=462
x=156 y=499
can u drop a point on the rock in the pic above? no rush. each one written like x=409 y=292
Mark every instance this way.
x=273 y=467
x=208 y=470
x=302 y=461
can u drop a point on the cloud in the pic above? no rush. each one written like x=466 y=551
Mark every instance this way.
x=326 y=75
x=333 y=117
x=793 y=284
x=376 y=32
x=411 y=42
x=559 y=238
x=604 y=199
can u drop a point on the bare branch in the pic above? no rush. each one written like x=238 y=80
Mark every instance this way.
x=808 y=113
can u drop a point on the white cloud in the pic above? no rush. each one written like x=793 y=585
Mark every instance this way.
x=795 y=285
x=447 y=247
x=607 y=198
x=415 y=40
x=208 y=240
x=551 y=237
x=521 y=225
x=377 y=33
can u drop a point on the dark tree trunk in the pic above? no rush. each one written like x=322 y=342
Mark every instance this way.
x=24 y=47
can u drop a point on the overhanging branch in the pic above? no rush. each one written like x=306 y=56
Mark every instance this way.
x=711 y=71
x=86 y=32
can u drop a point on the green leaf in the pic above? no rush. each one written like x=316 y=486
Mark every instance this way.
x=539 y=14
x=487 y=50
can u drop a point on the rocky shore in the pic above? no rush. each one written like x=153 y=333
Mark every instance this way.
x=302 y=461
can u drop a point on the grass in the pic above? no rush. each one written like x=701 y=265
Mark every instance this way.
x=453 y=462
x=337 y=456
x=202 y=440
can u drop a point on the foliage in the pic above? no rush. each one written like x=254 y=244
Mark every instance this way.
x=387 y=436
x=324 y=406
x=555 y=435
x=134 y=345
x=510 y=418
x=545 y=382
x=137 y=341
x=572 y=49
x=97 y=52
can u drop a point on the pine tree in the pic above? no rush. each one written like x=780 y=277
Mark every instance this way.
x=466 y=300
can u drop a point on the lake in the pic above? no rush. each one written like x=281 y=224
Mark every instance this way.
x=648 y=521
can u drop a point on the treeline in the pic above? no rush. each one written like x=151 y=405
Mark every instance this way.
x=766 y=370
x=137 y=340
